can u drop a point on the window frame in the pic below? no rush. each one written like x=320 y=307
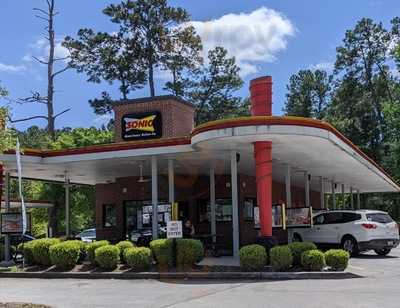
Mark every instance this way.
x=105 y=206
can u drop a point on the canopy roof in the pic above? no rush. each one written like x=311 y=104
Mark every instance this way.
x=304 y=144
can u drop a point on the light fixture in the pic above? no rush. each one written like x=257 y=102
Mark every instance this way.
x=142 y=179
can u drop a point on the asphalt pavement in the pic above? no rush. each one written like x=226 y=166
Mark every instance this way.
x=379 y=288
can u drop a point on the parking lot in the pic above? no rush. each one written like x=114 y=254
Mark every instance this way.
x=379 y=288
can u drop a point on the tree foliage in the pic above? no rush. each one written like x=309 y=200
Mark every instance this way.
x=213 y=89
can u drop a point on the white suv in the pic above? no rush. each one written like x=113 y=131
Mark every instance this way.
x=354 y=231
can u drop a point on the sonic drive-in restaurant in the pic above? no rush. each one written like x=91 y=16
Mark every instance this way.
x=237 y=180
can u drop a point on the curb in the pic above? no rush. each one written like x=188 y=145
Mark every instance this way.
x=185 y=275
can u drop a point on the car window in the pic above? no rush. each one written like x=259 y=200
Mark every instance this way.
x=319 y=220
x=379 y=217
x=334 y=218
x=349 y=217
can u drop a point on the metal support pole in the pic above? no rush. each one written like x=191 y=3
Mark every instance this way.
x=307 y=189
x=212 y=205
x=344 y=205
x=154 y=196
x=322 y=192
x=171 y=182
x=358 y=200
x=67 y=207
x=288 y=187
x=7 y=246
x=235 y=205
x=351 y=198
x=333 y=196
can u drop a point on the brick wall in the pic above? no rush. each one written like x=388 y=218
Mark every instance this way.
x=177 y=115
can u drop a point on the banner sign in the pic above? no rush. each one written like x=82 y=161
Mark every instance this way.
x=174 y=229
x=141 y=126
x=278 y=216
x=298 y=217
x=12 y=223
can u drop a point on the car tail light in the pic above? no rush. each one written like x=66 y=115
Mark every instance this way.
x=369 y=226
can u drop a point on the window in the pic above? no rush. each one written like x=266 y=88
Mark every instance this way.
x=319 y=220
x=349 y=217
x=379 y=217
x=333 y=218
x=109 y=215
x=223 y=210
x=248 y=209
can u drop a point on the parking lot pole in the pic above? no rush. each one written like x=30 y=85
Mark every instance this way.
x=7 y=203
x=307 y=188
x=235 y=204
x=154 y=196
x=351 y=198
x=171 y=182
x=358 y=199
x=212 y=205
x=288 y=187
x=333 y=196
x=67 y=206
x=322 y=192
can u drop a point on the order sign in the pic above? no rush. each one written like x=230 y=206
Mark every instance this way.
x=174 y=229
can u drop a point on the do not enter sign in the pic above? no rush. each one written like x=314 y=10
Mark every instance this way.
x=174 y=229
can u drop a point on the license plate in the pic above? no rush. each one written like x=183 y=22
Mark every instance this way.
x=390 y=243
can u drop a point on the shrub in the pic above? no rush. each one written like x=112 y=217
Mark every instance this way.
x=27 y=250
x=188 y=252
x=313 y=260
x=139 y=258
x=107 y=257
x=298 y=248
x=162 y=252
x=91 y=248
x=65 y=254
x=41 y=247
x=281 y=258
x=122 y=246
x=253 y=257
x=337 y=259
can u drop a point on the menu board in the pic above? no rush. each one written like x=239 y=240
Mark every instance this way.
x=12 y=223
x=298 y=217
x=278 y=216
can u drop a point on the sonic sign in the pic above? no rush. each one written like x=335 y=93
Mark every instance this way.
x=142 y=126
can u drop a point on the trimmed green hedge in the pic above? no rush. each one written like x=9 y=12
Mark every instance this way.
x=253 y=257
x=313 y=260
x=298 y=248
x=66 y=254
x=162 y=252
x=337 y=259
x=139 y=258
x=281 y=258
x=27 y=250
x=91 y=248
x=107 y=257
x=122 y=246
x=41 y=250
x=188 y=252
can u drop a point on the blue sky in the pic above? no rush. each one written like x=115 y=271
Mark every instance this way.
x=275 y=38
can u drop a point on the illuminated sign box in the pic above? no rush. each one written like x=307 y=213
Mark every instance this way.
x=11 y=223
x=142 y=126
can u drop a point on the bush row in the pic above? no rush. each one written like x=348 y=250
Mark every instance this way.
x=66 y=254
x=303 y=255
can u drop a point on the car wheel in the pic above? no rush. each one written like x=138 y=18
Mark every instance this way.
x=296 y=238
x=382 y=252
x=350 y=245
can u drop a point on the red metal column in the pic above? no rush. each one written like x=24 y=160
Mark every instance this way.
x=261 y=105
x=263 y=158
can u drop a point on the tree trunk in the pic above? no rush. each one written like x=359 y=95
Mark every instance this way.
x=50 y=76
x=151 y=80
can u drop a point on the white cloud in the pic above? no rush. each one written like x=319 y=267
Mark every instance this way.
x=40 y=49
x=253 y=38
x=103 y=119
x=325 y=66
x=8 y=68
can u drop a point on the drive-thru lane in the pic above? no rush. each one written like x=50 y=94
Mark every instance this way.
x=378 y=289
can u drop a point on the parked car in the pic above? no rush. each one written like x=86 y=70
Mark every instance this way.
x=354 y=231
x=145 y=236
x=16 y=239
x=87 y=236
